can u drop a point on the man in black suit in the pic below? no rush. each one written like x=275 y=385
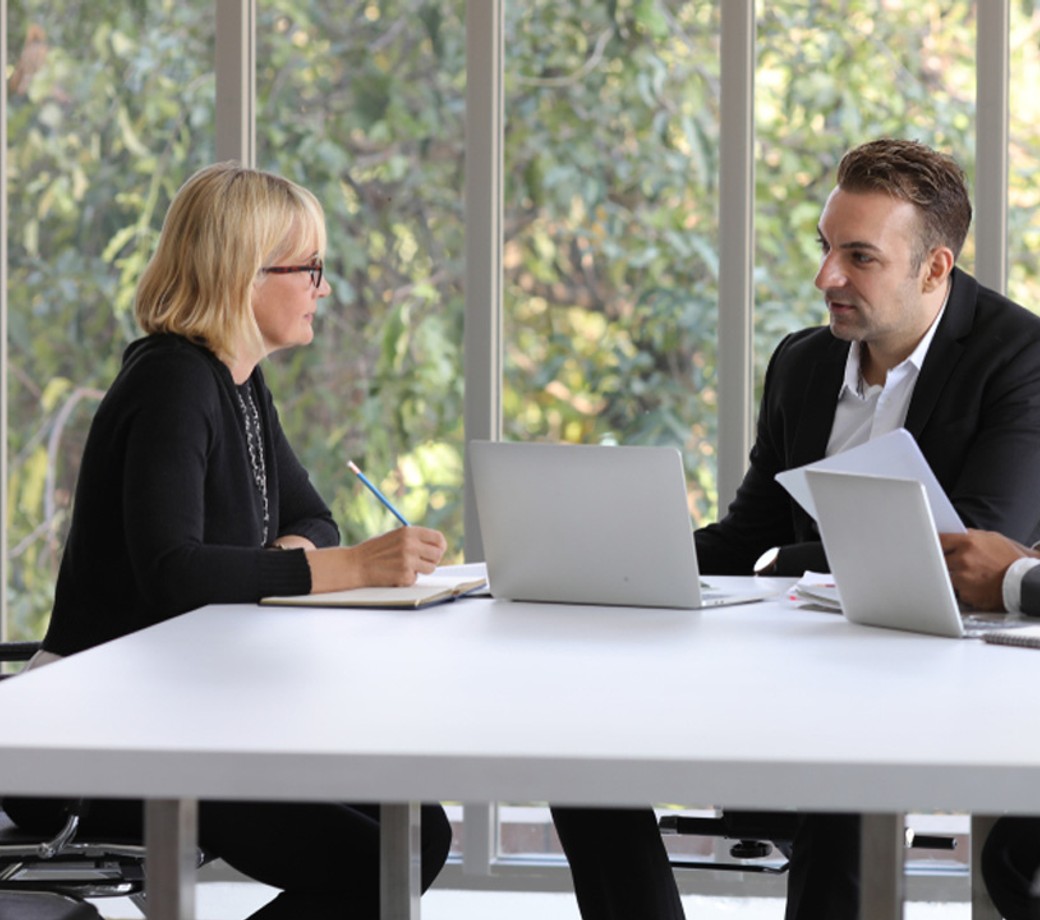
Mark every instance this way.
x=912 y=342
x=993 y=572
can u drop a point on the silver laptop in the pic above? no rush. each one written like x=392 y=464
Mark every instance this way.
x=586 y=524
x=885 y=555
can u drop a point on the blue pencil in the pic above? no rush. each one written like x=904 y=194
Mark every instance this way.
x=375 y=491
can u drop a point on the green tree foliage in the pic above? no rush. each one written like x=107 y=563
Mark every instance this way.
x=610 y=231
x=610 y=226
x=364 y=105
x=110 y=108
x=830 y=76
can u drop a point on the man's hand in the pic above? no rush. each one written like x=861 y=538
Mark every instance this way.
x=977 y=561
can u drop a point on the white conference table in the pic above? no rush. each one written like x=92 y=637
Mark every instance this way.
x=758 y=706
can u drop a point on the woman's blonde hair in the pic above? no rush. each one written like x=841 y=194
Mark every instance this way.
x=224 y=225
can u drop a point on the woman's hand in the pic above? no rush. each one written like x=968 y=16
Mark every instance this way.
x=392 y=559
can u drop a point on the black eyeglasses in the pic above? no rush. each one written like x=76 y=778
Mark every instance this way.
x=316 y=269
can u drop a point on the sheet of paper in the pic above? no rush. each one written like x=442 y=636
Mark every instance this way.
x=894 y=454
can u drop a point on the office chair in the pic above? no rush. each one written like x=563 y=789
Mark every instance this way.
x=755 y=834
x=49 y=878
x=40 y=905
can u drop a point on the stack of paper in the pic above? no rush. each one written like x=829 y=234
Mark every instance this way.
x=818 y=589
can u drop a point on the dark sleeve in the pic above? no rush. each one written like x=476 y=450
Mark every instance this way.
x=188 y=539
x=761 y=514
x=1031 y=592
x=998 y=484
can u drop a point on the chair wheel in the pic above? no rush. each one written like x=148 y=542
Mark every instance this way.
x=750 y=849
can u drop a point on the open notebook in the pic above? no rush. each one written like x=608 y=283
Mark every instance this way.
x=428 y=589
x=1023 y=637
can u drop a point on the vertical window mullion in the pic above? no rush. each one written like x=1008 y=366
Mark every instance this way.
x=235 y=67
x=736 y=244
x=482 y=345
x=992 y=136
x=482 y=335
x=992 y=130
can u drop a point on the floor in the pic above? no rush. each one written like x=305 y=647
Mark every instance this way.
x=236 y=900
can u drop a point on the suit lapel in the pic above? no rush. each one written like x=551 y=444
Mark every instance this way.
x=944 y=352
x=821 y=399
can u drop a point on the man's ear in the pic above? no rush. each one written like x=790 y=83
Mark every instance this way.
x=937 y=267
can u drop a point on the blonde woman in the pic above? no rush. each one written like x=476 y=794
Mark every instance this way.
x=189 y=494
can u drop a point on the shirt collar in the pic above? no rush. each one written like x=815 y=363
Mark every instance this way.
x=852 y=381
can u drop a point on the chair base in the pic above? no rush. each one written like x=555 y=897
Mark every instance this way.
x=40 y=905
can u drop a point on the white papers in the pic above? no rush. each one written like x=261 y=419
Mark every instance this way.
x=819 y=589
x=895 y=454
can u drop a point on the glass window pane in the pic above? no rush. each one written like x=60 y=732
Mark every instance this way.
x=1024 y=158
x=110 y=109
x=611 y=164
x=832 y=75
x=364 y=105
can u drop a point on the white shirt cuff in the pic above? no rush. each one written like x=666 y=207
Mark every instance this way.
x=1012 y=587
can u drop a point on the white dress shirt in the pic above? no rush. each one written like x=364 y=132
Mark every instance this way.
x=1012 y=587
x=867 y=412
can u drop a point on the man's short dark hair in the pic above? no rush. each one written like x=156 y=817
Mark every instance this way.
x=910 y=171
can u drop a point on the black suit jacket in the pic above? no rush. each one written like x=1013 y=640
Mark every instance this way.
x=1031 y=592
x=975 y=413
